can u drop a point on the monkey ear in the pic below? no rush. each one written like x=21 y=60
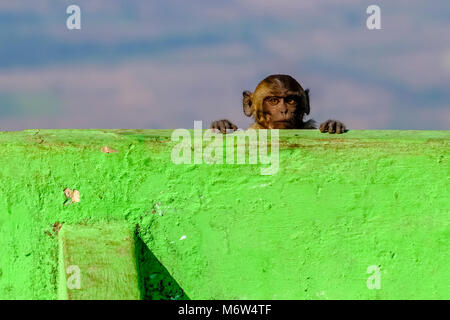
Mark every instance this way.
x=306 y=106
x=247 y=103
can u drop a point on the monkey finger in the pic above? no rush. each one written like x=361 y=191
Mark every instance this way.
x=214 y=130
x=231 y=127
x=323 y=127
x=222 y=126
x=219 y=126
x=228 y=126
x=214 y=125
x=225 y=126
x=332 y=127
x=338 y=127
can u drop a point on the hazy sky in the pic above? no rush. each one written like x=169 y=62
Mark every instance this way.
x=164 y=64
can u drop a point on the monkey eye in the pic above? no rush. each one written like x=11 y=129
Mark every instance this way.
x=291 y=101
x=273 y=101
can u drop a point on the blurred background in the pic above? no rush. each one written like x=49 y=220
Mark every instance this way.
x=164 y=64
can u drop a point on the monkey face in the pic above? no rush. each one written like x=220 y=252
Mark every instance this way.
x=278 y=102
x=280 y=111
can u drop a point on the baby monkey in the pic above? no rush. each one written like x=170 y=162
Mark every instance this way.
x=279 y=102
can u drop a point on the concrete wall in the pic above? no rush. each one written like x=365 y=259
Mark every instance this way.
x=338 y=205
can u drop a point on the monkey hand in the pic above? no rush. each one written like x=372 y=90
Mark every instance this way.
x=332 y=126
x=224 y=126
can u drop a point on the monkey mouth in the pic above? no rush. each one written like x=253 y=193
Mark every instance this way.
x=284 y=121
x=283 y=124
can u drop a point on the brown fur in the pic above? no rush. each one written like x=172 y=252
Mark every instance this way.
x=270 y=86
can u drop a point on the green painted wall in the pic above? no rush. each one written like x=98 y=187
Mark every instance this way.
x=338 y=204
x=97 y=262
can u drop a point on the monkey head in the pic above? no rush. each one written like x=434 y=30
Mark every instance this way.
x=278 y=102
